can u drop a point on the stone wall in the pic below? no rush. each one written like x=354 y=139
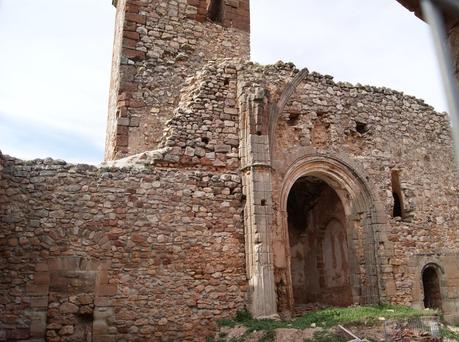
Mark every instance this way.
x=139 y=254
x=153 y=246
x=158 y=44
x=380 y=131
x=286 y=116
x=375 y=132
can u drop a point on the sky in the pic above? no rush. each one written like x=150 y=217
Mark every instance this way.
x=56 y=60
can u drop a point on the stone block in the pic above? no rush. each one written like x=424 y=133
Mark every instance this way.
x=106 y=290
x=101 y=313
x=67 y=308
x=64 y=263
x=38 y=327
x=37 y=290
x=135 y=121
x=99 y=327
x=17 y=334
x=39 y=302
x=41 y=267
x=123 y=121
x=41 y=278
x=103 y=338
x=136 y=18
x=452 y=318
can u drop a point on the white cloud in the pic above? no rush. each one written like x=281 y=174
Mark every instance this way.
x=56 y=57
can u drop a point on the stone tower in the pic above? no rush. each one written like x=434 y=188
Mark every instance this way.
x=158 y=44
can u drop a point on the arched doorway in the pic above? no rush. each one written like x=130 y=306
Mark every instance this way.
x=431 y=285
x=319 y=261
x=357 y=216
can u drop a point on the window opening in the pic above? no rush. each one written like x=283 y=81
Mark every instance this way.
x=292 y=119
x=361 y=127
x=397 y=210
x=215 y=11
x=431 y=284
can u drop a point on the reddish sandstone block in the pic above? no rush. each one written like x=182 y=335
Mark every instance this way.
x=107 y=290
x=17 y=334
x=37 y=290
x=39 y=302
x=131 y=8
x=136 y=104
x=104 y=338
x=103 y=301
x=129 y=86
x=136 y=18
x=138 y=238
x=129 y=43
x=122 y=140
x=38 y=328
x=131 y=35
x=41 y=267
x=41 y=278
x=134 y=54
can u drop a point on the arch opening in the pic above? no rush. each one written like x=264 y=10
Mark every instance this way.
x=397 y=210
x=317 y=234
x=215 y=11
x=431 y=284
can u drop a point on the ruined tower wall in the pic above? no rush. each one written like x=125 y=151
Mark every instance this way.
x=145 y=253
x=158 y=44
x=203 y=132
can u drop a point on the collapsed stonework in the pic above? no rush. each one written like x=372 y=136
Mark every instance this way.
x=270 y=188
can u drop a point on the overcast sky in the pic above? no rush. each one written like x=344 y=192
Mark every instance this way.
x=56 y=55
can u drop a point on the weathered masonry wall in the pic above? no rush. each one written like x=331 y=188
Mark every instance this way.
x=373 y=132
x=162 y=244
x=382 y=131
x=158 y=44
x=118 y=253
x=203 y=133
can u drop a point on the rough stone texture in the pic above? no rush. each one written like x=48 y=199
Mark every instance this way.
x=370 y=132
x=161 y=232
x=318 y=244
x=158 y=44
x=163 y=250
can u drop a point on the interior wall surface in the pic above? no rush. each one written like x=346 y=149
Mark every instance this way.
x=318 y=245
x=158 y=45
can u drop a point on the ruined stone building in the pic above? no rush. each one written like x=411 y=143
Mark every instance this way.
x=227 y=185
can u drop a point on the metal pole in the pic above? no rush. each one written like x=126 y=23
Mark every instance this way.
x=435 y=19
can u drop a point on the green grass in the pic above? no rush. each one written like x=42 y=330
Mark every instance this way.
x=445 y=332
x=329 y=317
